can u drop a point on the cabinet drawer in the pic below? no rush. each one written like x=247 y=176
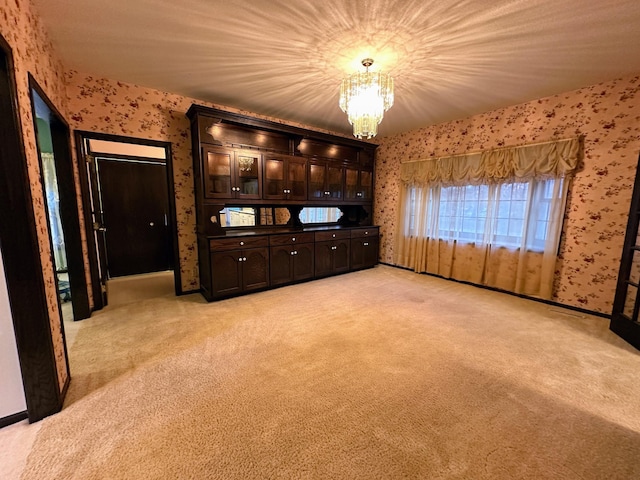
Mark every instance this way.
x=364 y=232
x=238 y=242
x=291 y=238
x=332 y=235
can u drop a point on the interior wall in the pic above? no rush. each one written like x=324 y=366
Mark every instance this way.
x=606 y=115
x=33 y=53
x=108 y=106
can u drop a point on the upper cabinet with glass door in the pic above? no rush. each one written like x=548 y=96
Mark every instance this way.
x=326 y=180
x=358 y=184
x=285 y=178
x=230 y=173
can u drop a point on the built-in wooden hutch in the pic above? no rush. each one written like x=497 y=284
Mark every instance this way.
x=258 y=185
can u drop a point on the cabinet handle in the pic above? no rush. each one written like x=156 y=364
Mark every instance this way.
x=359 y=194
x=366 y=244
x=334 y=248
x=327 y=193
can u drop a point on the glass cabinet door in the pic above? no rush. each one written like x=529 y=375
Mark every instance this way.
x=350 y=184
x=335 y=178
x=366 y=185
x=248 y=175
x=317 y=173
x=218 y=173
x=297 y=178
x=274 y=181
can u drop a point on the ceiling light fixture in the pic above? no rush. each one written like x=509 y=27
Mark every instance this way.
x=364 y=97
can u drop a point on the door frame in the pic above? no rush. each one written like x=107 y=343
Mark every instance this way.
x=81 y=152
x=69 y=216
x=22 y=261
x=628 y=329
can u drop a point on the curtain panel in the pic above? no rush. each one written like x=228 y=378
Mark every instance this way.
x=427 y=241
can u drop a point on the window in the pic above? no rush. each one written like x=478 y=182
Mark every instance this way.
x=512 y=214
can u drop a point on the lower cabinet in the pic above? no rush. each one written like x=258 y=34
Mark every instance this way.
x=238 y=270
x=364 y=248
x=291 y=258
x=332 y=252
x=242 y=264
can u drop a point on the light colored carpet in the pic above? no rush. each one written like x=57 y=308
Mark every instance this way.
x=374 y=374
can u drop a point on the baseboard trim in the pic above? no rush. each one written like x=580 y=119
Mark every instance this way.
x=187 y=292
x=11 y=419
x=520 y=295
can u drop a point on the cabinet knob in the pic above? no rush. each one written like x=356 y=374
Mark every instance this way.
x=366 y=244
x=359 y=194
x=241 y=243
x=244 y=259
x=327 y=193
x=333 y=235
x=366 y=233
x=293 y=239
x=240 y=259
x=334 y=248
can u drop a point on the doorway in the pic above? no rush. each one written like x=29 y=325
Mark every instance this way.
x=129 y=192
x=59 y=187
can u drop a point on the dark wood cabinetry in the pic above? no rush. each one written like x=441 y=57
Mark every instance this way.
x=291 y=258
x=332 y=252
x=231 y=174
x=364 y=247
x=358 y=184
x=285 y=178
x=249 y=164
x=238 y=266
x=326 y=181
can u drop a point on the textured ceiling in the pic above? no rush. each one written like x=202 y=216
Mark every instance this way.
x=285 y=58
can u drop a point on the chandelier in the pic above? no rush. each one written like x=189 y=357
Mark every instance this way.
x=364 y=97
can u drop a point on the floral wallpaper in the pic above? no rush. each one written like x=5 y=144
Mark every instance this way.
x=109 y=106
x=34 y=54
x=606 y=115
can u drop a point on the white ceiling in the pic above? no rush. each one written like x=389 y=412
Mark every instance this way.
x=286 y=58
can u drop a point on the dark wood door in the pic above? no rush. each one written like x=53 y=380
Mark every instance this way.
x=255 y=268
x=280 y=263
x=226 y=273
x=341 y=256
x=364 y=252
x=303 y=264
x=624 y=318
x=323 y=258
x=135 y=208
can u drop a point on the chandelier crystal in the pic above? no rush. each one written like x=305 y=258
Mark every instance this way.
x=364 y=97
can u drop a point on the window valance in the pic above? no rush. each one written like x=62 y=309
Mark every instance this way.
x=553 y=159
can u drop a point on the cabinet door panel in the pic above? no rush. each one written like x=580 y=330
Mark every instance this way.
x=218 y=171
x=255 y=269
x=303 y=267
x=226 y=273
x=335 y=180
x=317 y=181
x=341 y=256
x=274 y=177
x=371 y=252
x=366 y=185
x=249 y=175
x=280 y=261
x=297 y=179
x=323 y=258
x=350 y=184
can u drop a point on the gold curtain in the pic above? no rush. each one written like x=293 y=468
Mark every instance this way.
x=520 y=270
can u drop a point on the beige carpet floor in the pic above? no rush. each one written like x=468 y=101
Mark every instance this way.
x=374 y=374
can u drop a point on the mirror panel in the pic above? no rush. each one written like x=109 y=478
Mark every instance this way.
x=320 y=215
x=253 y=216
